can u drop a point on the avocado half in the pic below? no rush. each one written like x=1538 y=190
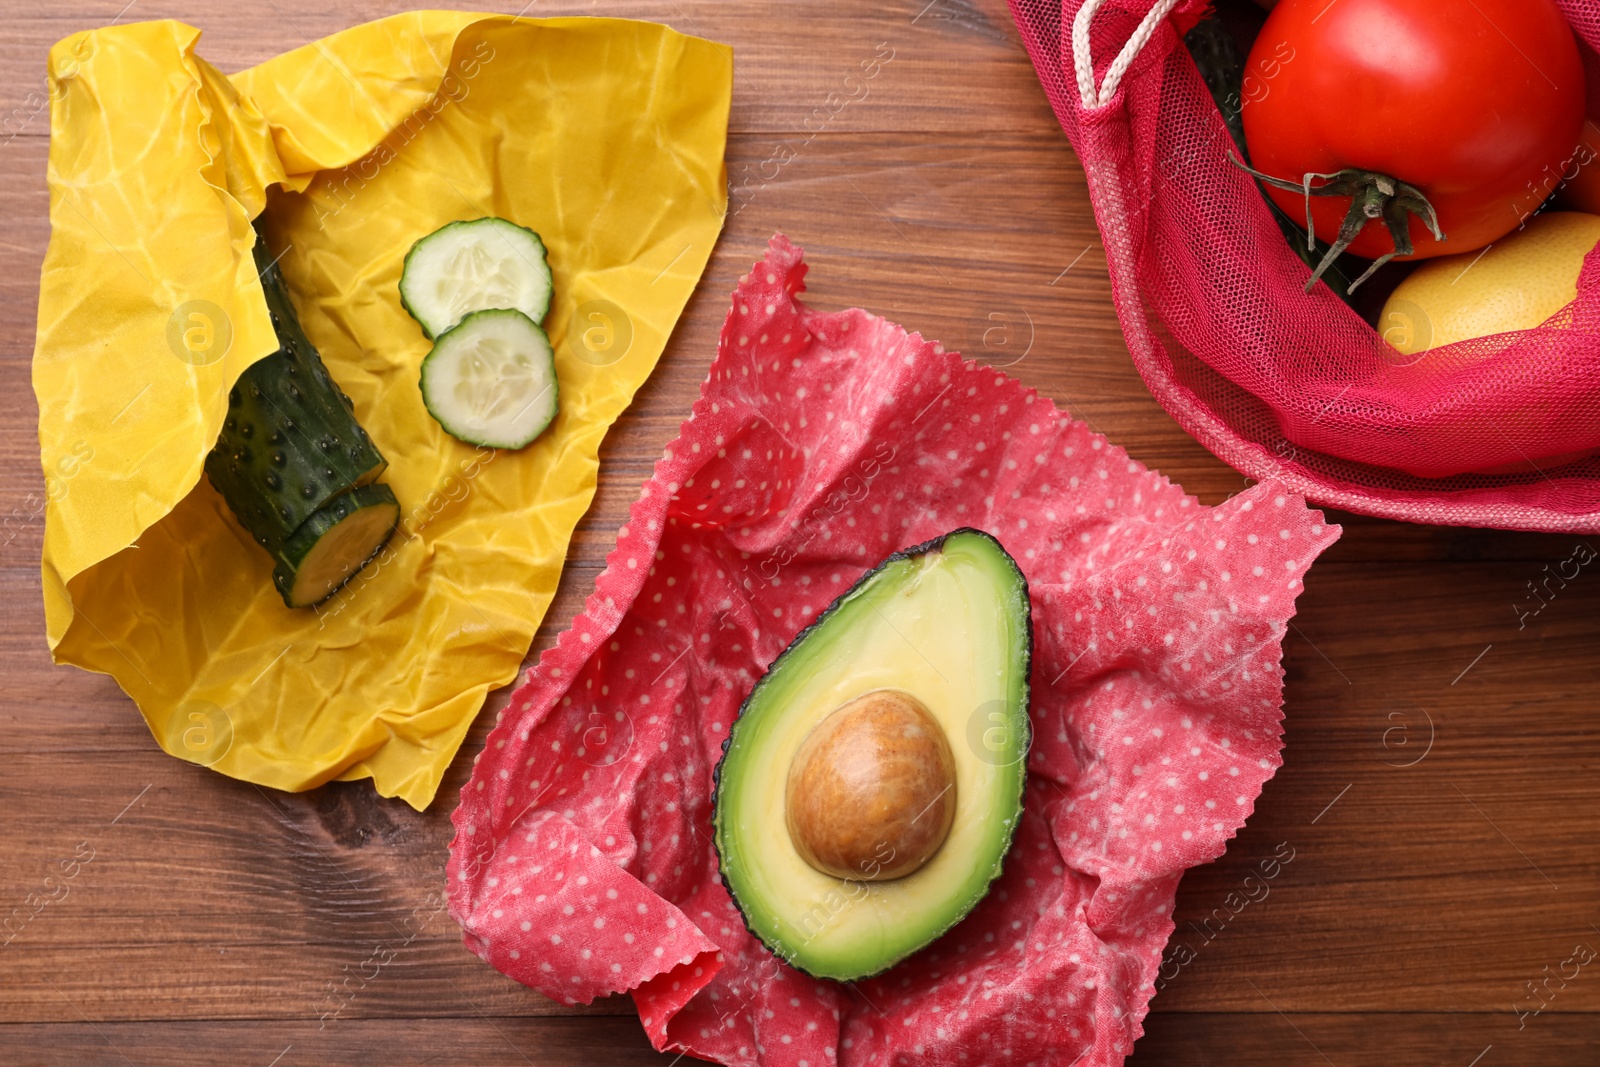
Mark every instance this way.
x=947 y=622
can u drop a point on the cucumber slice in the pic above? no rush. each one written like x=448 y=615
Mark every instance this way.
x=470 y=266
x=334 y=543
x=491 y=380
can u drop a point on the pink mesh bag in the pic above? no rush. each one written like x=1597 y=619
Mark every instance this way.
x=1279 y=383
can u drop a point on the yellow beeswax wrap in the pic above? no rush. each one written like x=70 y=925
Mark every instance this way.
x=605 y=136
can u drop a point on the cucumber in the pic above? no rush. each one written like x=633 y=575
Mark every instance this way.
x=1216 y=55
x=290 y=442
x=471 y=266
x=491 y=380
x=334 y=543
x=295 y=466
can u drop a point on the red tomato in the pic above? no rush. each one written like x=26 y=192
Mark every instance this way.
x=1476 y=103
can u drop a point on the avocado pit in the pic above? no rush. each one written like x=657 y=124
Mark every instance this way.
x=871 y=792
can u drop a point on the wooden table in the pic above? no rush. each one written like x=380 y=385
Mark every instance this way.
x=1430 y=883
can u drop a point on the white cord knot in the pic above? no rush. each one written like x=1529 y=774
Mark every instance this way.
x=1083 y=58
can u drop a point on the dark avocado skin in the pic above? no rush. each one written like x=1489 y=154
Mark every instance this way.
x=934 y=545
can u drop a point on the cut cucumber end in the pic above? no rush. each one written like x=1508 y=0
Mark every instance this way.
x=491 y=380
x=334 y=544
x=474 y=266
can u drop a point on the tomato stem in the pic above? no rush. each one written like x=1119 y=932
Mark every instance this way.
x=1372 y=196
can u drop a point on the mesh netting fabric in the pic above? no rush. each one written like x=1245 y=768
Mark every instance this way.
x=1296 y=386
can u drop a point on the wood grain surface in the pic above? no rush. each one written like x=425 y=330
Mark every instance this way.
x=1440 y=791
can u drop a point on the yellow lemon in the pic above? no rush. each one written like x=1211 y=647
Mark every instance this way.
x=1514 y=284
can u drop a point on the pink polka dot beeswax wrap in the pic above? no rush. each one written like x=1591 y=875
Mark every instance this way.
x=821 y=443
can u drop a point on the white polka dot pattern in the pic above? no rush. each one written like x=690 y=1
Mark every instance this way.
x=582 y=863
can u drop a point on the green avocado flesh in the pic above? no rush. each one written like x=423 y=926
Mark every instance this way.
x=947 y=622
x=335 y=543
